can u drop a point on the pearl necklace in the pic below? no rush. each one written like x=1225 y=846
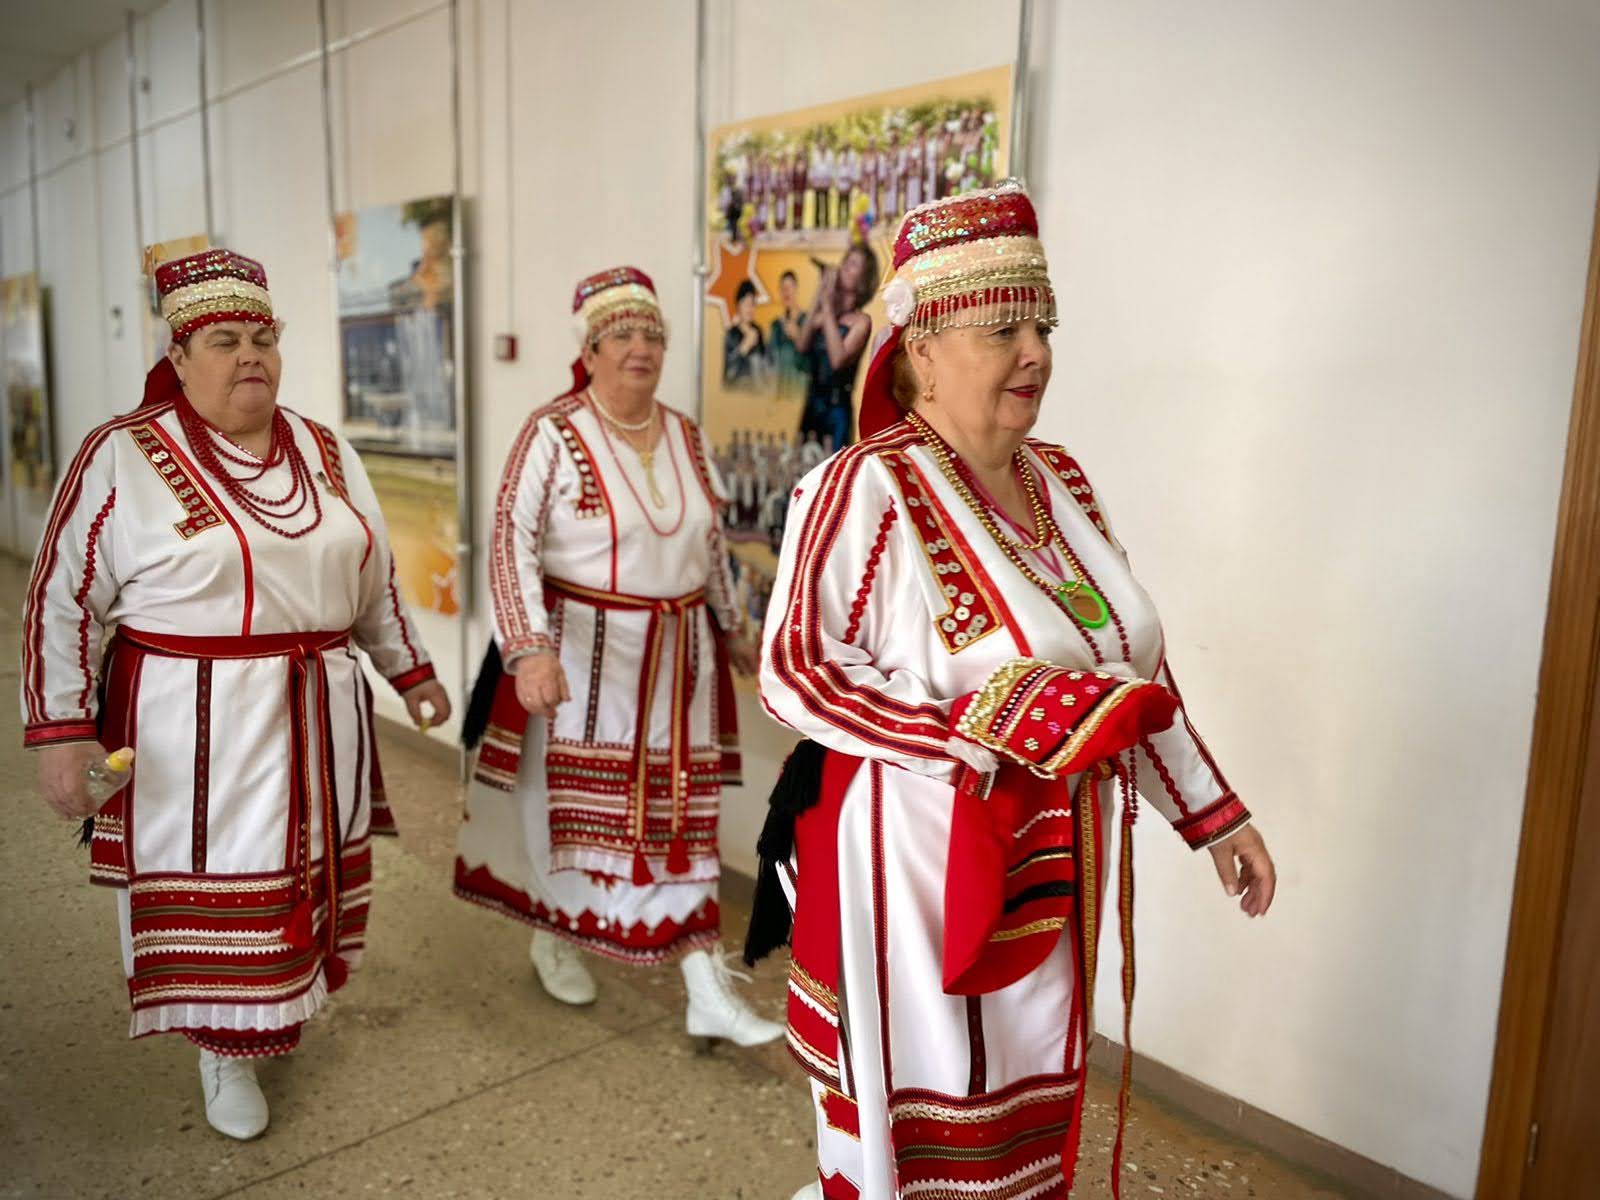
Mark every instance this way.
x=647 y=458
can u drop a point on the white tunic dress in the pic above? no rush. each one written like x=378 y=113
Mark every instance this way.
x=892 y=601
x=233 y=673
x=579 y=825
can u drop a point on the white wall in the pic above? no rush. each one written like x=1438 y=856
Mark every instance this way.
x=1321 y=268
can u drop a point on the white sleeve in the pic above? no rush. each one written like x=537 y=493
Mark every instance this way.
x=831 y=603
x=528 y=486
x=384 y=626
x=72 y=588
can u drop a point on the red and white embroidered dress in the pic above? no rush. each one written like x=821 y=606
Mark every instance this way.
x=601 y=825
x=162 y=617
x=892 y=601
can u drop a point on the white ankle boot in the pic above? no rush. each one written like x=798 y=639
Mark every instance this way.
x=560 y=968
x=811 y=1191
x=715 y=1009
x=234 y=1103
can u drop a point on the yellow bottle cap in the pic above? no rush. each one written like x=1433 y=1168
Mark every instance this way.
x=120 y=760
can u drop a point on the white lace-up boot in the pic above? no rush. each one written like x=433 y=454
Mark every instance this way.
x=234 y=1103
x=560 y=968
x=715 y=1009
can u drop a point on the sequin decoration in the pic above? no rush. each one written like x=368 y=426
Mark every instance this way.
x=616 y=300
x=973 y=259
x=1065 y=468
x=199 y=514
x=1003 y=211
x=591 y=500
x=211 y=287
x=969 y=614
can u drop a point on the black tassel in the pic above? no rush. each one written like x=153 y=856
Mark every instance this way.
x=476 y=720
x=799 y=787
x=86 y=831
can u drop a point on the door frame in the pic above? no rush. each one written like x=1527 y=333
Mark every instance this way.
x=1560 y=753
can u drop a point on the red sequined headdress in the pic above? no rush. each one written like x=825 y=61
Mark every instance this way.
x=211 y=287
x=205 y=289
x=618 y=300
x=972 y=259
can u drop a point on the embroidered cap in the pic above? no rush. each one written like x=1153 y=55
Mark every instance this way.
x=972 y=259
x=211 y=287
x=618 y=300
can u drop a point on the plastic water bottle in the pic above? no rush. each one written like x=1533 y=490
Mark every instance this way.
x=104 y=779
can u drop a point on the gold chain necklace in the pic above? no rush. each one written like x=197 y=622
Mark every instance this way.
x=1082 y=602
x=647 y=457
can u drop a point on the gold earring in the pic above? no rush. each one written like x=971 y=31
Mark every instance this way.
x=927 y=393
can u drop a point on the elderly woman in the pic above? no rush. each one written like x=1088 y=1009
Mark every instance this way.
x=957 y=630
x=596 y=821
x=234 y=553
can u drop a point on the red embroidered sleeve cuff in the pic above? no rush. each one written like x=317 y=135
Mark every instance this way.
x=1056 y=721
x=1214 y=822
x=517 y=647
x=49 y=733
x=407 y=680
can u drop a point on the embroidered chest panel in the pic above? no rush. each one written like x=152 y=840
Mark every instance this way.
x=199 y=513
x=1066 y=468
x=591 y=500
x=328 y=448
x=971 y=612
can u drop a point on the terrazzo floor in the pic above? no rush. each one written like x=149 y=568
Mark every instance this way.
x=441 y=1071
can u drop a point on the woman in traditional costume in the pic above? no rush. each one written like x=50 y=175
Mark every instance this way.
x=234 y=554
x=595 y=821
x=957 y=631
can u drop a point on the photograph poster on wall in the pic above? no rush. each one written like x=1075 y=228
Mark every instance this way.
x=30 y=455
x=803 y=210
x=397 y=309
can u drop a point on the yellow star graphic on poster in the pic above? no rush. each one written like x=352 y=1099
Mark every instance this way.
x=736 y=263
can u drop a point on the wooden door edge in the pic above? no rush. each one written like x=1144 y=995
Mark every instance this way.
x=1555 y=771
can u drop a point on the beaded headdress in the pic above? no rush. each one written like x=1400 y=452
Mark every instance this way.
x=618 y=300
x=972 y=259
x=211 y=287
x=967 y=260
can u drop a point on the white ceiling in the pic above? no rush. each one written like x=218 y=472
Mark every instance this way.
x=39 y=37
